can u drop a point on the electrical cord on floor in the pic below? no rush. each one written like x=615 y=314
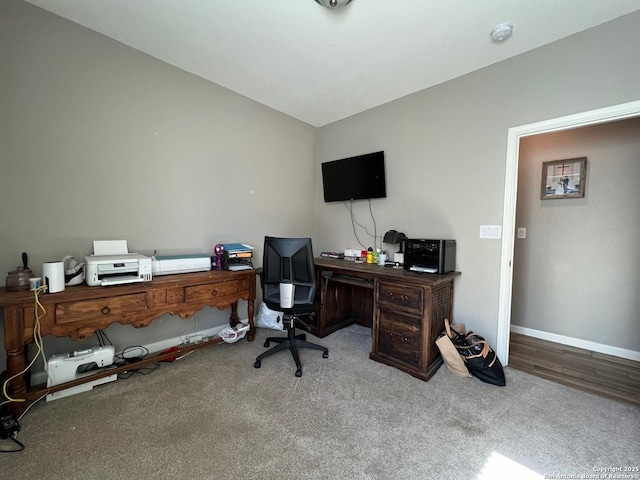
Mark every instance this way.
x=10 y=425
x=125 y=357
x=141 y=370
x=33 y=403
x=37 y=338
x=183 y=337
x=17 y=442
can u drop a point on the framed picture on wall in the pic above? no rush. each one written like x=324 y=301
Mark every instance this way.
x=563 y=178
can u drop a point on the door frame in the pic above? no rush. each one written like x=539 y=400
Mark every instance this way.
x=514 y=134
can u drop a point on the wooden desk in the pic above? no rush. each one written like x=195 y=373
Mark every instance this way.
x=405 y=310
x=78 y=311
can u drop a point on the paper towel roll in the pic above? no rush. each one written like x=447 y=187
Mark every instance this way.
x=53 y=275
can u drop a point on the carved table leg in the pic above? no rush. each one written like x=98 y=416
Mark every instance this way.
x=233 y=321
x=251 y=334
x=16 y=362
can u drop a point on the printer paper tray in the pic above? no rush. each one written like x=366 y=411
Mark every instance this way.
x=119 y=279
x=421 y=269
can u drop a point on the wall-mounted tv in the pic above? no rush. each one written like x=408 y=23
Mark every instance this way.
x=354 y=178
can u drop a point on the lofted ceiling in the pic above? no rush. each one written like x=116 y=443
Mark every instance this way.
x=320 y=65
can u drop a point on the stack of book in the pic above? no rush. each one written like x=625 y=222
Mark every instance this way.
x=355 y=255
x=238 y=256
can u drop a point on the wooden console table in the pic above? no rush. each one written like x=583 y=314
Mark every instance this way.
x=78 y=311
x=405 y=310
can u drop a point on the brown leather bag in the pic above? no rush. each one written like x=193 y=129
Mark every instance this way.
x=449 y=352
x=478 y=356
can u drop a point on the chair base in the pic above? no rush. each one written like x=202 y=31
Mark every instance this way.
x=291 y=342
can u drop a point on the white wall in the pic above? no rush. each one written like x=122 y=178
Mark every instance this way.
x=577 y=274
x=99 y=141
x=446 y=149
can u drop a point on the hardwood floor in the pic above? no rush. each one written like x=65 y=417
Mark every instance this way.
x=593 y=372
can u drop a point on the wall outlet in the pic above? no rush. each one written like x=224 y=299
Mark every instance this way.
x=195 y=338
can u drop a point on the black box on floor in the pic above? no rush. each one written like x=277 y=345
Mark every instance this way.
x=8 y=426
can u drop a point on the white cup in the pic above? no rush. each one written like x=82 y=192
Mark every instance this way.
x=35 y=283
x=382 y=259
x=287 y=293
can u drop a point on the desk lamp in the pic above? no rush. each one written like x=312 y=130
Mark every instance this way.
x=394 y=237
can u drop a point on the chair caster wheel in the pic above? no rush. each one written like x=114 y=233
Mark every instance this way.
x=299 y=372
x=266 y=344
x=257 y=364
x=325 y=354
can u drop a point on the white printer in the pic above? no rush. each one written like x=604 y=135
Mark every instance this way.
x=170 y=264
x=112 y=264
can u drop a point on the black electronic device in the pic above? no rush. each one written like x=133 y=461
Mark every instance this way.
x=337 y=255
x=354 y=178
x=430 y=256
x=8 y=426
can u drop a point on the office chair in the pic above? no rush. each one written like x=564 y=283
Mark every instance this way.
x=287 y=267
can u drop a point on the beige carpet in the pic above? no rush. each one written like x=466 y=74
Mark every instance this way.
x=212 y=415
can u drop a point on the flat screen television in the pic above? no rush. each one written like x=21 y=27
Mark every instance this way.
x=354 y=178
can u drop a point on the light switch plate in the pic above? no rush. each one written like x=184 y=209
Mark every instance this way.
x=491 y=231
x=522 y=233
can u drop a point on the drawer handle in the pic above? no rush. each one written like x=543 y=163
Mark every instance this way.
x=105 y=310
x=403 y=297
x=399 y=337
x=214 y=293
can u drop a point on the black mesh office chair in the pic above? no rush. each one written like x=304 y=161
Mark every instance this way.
x=289 y=261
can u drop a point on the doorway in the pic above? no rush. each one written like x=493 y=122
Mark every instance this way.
x=617 y=112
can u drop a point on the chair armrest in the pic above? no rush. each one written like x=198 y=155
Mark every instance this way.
x=259 y=271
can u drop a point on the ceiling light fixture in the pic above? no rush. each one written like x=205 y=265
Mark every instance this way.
x=501 y=32
x=333 y=3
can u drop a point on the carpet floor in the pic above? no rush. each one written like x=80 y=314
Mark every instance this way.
x=211 y=415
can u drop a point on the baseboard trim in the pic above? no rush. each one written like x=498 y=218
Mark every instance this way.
x=578 y=343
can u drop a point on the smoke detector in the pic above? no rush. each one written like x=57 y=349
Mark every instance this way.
x=333 y=3
x=501 y=32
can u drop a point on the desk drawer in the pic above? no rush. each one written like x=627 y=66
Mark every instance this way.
x=399 y=337
x=206 y=292
x=401 y=296
x=100 y=308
